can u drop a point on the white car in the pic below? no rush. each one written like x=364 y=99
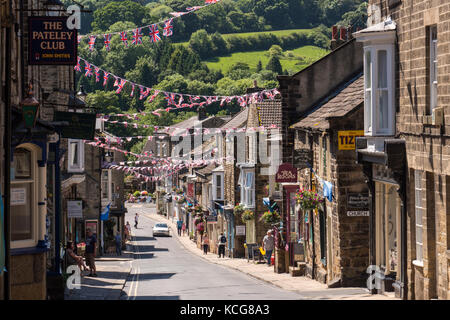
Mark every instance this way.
x=161 y=229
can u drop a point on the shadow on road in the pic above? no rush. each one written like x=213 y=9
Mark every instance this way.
x=143 y=255
x=141 y=238
x=154 y=276
x=149 y=248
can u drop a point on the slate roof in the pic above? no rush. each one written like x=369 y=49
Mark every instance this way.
x=337 y=104
x=238 y=120
x=269 y=112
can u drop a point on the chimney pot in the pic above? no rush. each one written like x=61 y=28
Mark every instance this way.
x=343 y=34
x=334 y=33
x=349 y=33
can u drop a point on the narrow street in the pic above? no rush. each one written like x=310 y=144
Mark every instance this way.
x=164 y=270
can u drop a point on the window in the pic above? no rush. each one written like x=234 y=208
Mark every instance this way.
x=432 y=34
x=217 y=186
x=24 y=197
x=76 y=156
x=247 y=183
x=418 y=213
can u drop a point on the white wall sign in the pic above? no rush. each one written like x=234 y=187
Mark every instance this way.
x=357 y=213
x=74 y=209
x=240 y=230
x=18 y=196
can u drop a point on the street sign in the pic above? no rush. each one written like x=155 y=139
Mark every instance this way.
x=51 y=42
x=75 y=209
x=302 y=158
x=81 y=125
x=346 y=139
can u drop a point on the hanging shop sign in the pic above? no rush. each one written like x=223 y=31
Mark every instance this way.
x=240 y=230
x=81 y=125
x=347 y=139
x=190 y=190
x=302 y=158
x=75 y=209
x=358 y=205
x=211 y=219
x=51 y=42
x=286 y=174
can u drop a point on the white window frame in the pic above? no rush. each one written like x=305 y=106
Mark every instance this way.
x=32 y=199
x=419 y=210
x=432 y=30
x=372 y=91
x=247 y=193
x=72 y=168
x=215 y=194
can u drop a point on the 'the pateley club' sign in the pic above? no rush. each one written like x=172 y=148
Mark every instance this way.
x=51 y=42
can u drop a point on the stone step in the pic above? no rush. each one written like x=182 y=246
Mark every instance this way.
x=295 y=272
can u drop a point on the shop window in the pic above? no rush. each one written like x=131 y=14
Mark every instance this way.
x=418 y=214
x=432 y=67
x=76 y=155
x=24 y=198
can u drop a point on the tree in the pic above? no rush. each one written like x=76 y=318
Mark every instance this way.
x=274 y=65
x=116 y=11
x=201 y=43
x=355 y=18
x=275 y=51
x=259 y=66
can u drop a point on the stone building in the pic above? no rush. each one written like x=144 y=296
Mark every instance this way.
x=334 y=239
x=405 y=151
x=35 y=228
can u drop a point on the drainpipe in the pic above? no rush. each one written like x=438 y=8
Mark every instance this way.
x=311 y=215
x=7 y=193
x=403 y=235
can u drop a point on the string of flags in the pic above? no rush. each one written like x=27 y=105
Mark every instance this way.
x=174 y=100
x=137 y=33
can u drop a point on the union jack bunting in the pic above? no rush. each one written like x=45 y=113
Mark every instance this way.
x=144 y=92
x=132 y=90
x=211 y=1
x=120 y=85
x=97 y=74
x=88 y=69
x=180 y=101
x=154 y=33
x=154 y=95
x=105 y=77
x=168 y=28
x=77 y=66
x=170 y=98
x=137 y=36
x=123 y=38
x=107 y=41
x=91 y=42
x=79 y=39
x=194 y=8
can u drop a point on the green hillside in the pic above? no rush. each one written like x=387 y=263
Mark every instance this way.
x=292 y=60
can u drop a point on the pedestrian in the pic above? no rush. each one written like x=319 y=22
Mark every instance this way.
x=205 y=243
x=268 y=245
x=91 y=244
x=179 y=226
x=128 y=228
x=72 y=258
x=222 y=242
x=184 y=228
x=136 y=220
x=118 y=239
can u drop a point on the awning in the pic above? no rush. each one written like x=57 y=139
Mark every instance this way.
x=75 y=179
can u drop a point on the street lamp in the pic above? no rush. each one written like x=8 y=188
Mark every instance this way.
x=53 y=7
x=30 y=108
x=81 y=94
x=109 y=156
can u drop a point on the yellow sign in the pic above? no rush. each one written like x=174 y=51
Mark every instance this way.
x=347 y=139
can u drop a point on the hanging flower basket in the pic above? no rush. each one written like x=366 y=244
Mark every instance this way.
x=200 y=227
x=179 y=191
x=198 y=208
x=308 y=200
x=271 y=217
x=180 y=199
x=247 y=215
x=238 y=210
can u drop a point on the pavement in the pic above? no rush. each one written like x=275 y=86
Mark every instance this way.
x=304 y=286
x=119 y=277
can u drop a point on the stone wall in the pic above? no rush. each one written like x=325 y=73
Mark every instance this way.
x=28 y=277
x=427 y=146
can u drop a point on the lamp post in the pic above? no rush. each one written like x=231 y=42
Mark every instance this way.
x=53 y=7
x=30 y=108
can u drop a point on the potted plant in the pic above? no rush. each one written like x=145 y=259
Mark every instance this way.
x=308 y=200
x=238 y=209
x=247 y=215
x=271 y=217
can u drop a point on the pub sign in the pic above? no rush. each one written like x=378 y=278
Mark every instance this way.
x=286 y=173
x=50 y=42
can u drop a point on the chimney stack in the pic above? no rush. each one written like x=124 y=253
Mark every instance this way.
x=343 y=36
x=334 y=35
x=349 y=33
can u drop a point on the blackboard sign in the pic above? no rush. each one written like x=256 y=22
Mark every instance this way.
x=81 y=125
x=50 y=42
x=358 y=205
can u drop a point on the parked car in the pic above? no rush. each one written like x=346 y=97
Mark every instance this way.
x=161 y=229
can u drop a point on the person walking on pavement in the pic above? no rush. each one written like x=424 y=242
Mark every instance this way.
x=128 y=227
x=184 y=228
x=268 y=246
x=205 y=243
x=91 y=244
x=222 y=243
x=118 y=239
x=179 y=226
x=136 y=220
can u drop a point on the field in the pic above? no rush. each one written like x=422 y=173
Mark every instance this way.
x=292 y=60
